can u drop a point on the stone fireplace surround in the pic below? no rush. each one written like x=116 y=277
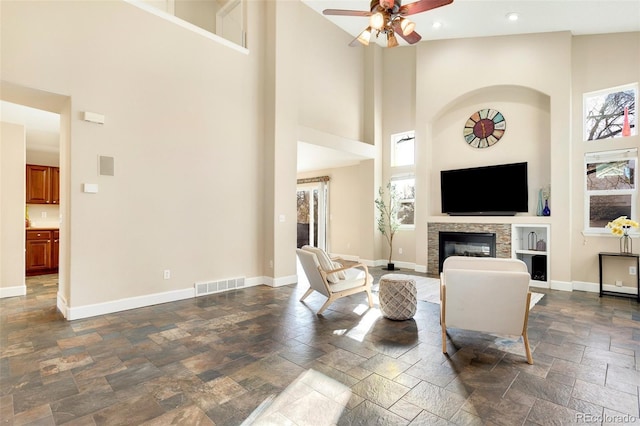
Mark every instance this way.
x=502 y=231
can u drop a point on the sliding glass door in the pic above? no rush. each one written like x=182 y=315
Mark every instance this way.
x=312 y=216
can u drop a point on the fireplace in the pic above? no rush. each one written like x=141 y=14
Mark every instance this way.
x=476 y=244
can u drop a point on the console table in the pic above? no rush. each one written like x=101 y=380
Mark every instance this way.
x=616 y=293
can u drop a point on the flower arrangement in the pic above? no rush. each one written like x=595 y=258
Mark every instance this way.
x=621 y=225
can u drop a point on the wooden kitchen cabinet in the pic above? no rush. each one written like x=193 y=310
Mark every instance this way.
x=55 y=185
x=43 y=184
x=55 y=249
x=41 y=251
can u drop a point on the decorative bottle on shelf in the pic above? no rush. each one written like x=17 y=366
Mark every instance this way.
x=626 y=128
x=540 y=204
x=546 y=211
x=533 y=237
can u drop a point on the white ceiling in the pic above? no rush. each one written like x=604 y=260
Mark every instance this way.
x=42 y=128
x=482 y=18
x=317 y=157
x=461 y=19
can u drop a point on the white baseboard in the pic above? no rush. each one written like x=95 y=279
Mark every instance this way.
x=398 y=264
x=110 y=307
x=561 y=285
x=625 y=289
x=78 y=312
x=18 y=290
x=62 y=305
x=420 y=268
x=538 y=284
x=586 y=286
x=279 y=281
x=595 y=287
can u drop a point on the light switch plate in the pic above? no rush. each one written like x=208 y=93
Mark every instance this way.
x=90 y=188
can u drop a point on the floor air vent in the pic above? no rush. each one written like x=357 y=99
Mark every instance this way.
x=211 y=287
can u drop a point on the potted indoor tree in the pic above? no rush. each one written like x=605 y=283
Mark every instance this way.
x=388 y=221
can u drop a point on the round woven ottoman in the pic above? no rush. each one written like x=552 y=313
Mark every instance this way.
x=397 y=296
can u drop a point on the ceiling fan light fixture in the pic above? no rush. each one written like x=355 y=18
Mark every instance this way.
x=377 y=21
x=392 y=41
x=365 y=36
x=407 y=26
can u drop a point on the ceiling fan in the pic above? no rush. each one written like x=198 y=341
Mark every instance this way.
x=389 y=17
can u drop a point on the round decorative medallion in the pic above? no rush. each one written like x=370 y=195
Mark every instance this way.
x=484 y=128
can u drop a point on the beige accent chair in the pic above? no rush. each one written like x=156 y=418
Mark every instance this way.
x=332 y=279
x=487 y=294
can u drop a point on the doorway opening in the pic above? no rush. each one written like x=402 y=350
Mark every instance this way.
x=49 y=146
x=312 y=203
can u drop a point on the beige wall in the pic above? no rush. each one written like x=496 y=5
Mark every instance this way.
x=204 y=136
x=399 y=94
x=200 y=13
x=328 y=76
x=12 y=199
x=185 y=156
x=452 y=83
x=599 y=62
x=345 y=210
x=526 y=139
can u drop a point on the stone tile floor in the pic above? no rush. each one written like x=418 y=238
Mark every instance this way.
x=259 y=356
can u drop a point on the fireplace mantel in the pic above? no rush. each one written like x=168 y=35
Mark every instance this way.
x=500 y=220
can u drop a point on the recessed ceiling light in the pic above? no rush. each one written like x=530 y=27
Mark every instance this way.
x=436 y=25
x=512 y=16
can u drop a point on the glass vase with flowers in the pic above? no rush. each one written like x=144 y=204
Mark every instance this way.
x=621 y=226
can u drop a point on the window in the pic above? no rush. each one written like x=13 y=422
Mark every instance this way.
x=611 y=186
x=604 y=112
x=402 y=149
x=405 y=187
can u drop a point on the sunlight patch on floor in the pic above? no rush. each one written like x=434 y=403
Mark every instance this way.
x=313 y=398
x=366 y=323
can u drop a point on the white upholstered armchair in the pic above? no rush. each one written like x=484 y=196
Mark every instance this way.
x=332 y=279
x=485 y=294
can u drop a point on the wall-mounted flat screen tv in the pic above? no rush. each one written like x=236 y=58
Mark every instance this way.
x=500 y=190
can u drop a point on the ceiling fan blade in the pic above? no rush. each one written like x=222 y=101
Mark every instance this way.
x=422 y=6
x=342 y=12
x=412 y=38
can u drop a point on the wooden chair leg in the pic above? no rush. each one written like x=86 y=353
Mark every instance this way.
x=444 y=340
x=370 y=297
x=443 y=301
x=527 y=349
x=306 y=294
x=326 y=305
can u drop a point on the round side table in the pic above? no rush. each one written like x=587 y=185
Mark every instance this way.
x=398 y=296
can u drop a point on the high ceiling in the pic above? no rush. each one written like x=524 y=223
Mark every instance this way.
x=482 y=18
x=463 y=18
